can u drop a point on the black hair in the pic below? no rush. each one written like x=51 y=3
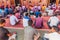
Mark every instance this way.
x=40 y=15
x=13 y=13
x=54 y=14
x=17 y=11
x=10 y=7
x=6 y=6
x=30 y=22
x=56 y=28
x=39 y=10
x=2 y=21
x=26 y=14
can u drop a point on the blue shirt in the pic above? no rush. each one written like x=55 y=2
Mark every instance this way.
x=6 y=10
x=26 y=17
x=10 y=10
x=37 y=13
x=0 y=11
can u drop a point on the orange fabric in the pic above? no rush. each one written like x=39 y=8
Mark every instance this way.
x=43 y=8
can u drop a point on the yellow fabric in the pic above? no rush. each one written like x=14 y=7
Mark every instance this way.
x=43 y=7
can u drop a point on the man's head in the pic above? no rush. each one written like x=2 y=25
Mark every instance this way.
x=30 y=22
x=26 y=14
x=17 y=11
x=40 y=15
x=54 y=14
x=12 y=13
x=2 y=22
x=55 y=29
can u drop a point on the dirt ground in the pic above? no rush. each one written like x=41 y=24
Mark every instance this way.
x=20 y=33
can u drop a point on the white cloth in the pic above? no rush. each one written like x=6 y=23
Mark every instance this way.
x=13 y=20
x=50 y=12
x=12 y=37
x=53 y=36
x=53 y=21
x=25 y=22
x=31 y=12
x=49 y=7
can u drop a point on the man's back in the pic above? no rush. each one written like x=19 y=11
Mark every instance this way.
x=29 y=33
x=3 y=33
x=53 y=36
x=53 y=21
x=25 y=21
x=39 y=22
x=13 y=20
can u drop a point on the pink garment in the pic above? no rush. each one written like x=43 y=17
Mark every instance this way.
x=17 y=15
x=39 y=22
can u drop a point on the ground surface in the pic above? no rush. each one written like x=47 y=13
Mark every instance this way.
x=20 y=33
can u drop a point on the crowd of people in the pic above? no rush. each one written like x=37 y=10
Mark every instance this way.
x=30 y=33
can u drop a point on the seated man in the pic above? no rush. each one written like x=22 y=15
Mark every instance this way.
x=30 y=33
x=25 y=20
x=50 y=12
x=3 y=31
x=13 y=19
x=53 y=35
x=37 y=13
x=39 y=22
x=17 y=14
x=53 y=21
